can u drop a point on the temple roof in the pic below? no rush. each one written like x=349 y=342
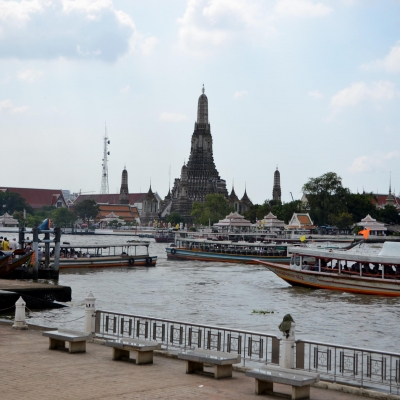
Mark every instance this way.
x=233 y=219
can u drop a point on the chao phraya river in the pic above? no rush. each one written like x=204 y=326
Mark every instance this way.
x=225 y=294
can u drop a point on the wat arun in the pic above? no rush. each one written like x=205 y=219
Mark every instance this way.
x=199 y=177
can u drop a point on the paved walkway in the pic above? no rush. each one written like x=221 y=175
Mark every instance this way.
x=28 y=370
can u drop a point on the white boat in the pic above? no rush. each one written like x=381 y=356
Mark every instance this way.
x=366 y=272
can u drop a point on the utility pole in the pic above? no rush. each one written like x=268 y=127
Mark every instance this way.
x=104 y=178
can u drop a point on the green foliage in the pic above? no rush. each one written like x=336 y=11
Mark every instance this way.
x=11 y=202
x=175 y=218
x=212 y=210
x=86 y=210
x=63 y=216
x=257 y=211
x=283 y=212
x=360 y=205
x=343 y=220
x=389 y=214
x=326 y=197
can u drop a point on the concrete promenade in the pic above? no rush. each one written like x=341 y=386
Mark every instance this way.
x=29 y=370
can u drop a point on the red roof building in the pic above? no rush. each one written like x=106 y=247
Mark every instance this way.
x=37 y=198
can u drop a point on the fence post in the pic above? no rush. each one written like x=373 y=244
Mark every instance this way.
x=19 y=321
x=90 y=315
x=287 y=358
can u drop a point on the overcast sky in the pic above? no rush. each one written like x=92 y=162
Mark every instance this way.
x=311 y=86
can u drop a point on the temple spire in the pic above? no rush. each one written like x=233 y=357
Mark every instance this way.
x=202 y=108
x=124 y=191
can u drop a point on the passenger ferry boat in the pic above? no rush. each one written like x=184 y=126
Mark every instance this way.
x=362 y=272
x=226 y=251
x=164 y=236
x=133 y=254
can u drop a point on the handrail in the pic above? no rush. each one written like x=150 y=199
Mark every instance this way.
x=253 y=346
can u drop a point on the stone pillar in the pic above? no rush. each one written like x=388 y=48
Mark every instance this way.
x=90 y=313
x=19 y=321
x=287 y=355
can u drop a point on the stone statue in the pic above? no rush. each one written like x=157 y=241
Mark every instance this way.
x=286 y=324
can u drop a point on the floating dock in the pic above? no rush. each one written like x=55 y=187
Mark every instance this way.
x=36 y=295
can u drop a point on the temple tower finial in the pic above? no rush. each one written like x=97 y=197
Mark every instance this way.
x=202 y=108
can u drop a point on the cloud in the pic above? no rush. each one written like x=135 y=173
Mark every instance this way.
x=30 y=75
x=359 y=92
x=302 y=8
x=391 y=63
x=126 y=89
x=172 y=117
x=208 y=25
x=316 y=94
x=373 y=162
x=239 y=94
x=7 y=106
x=44 y=29
x=147 y=45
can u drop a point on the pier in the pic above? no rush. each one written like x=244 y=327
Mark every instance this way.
x=36 y=295
x=29 y=369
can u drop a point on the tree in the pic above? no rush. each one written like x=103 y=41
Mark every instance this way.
x=326 y=197
x=175 y=218
x=257 y=211
x=360 y=205
x=86 y=210
x=343 y=220
x=389 y=214
x=11 y=202
x=63 y=216
x=212 y=210
x=285 y=211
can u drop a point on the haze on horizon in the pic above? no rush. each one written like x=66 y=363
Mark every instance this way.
x=309 y=85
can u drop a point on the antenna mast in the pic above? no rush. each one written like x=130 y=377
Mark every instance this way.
x=104 y=177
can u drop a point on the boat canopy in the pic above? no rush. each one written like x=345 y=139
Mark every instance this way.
x=390 y=249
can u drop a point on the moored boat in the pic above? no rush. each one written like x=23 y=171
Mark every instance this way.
x=164 y=236
x=362 y=272
x=10 y=261
x=226 y=251
x=133 y=254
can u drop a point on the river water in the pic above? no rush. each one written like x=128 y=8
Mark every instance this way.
x=225 y=294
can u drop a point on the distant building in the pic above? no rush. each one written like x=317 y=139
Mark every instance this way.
x=124 y=212
x=200 y=176
x=38 y=198
x=7 y=220
x=300 y=221
x=241 y=205
x=276 y=190
x=124 y=191
x=376 y=227
x=147 y=204
x=270 y=222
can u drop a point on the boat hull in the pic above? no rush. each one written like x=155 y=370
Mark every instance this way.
x=335 y=281
x=108 y=262
x=185 y=254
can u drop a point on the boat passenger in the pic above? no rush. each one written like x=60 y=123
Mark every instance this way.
x=388 y=270
x=316 y=265
x=344 y=267
x=306 y=266
x=375 y=269
x=28 y=247
x=6 y=245
x=356 y=267
x=336 y=265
